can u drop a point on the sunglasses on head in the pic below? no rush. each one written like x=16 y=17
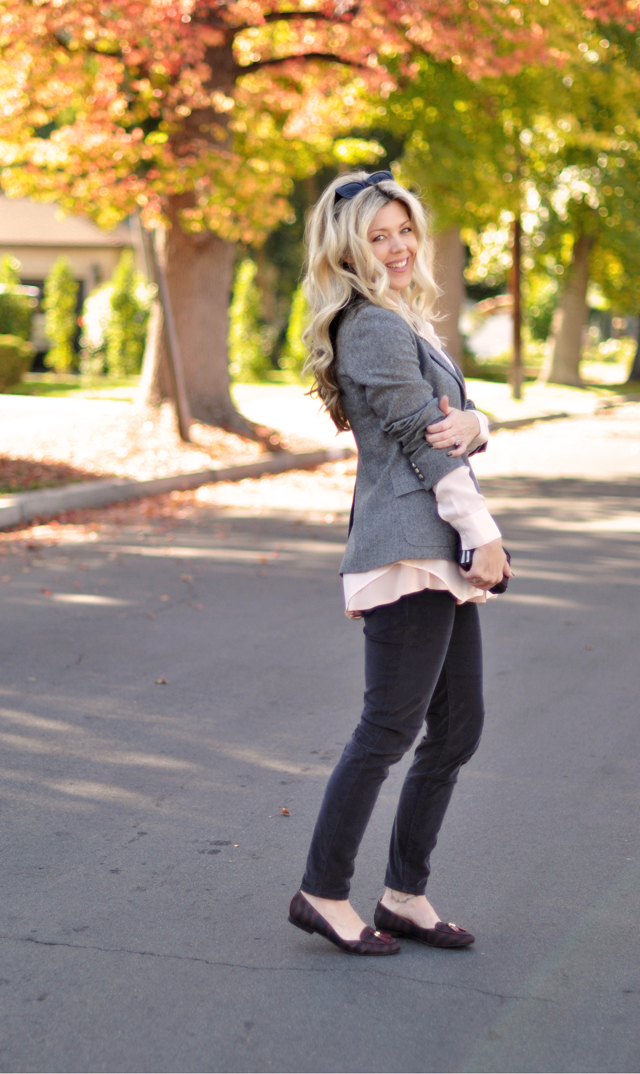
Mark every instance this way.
x=349 y=190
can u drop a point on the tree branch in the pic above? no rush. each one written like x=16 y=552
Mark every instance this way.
x=290 y=16
x=85 y=46
x=285 y=16
x=330 y=57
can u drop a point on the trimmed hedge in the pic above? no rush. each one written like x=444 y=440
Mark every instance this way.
x=16 y=356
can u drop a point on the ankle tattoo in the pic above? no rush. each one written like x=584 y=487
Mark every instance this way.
x=401 y=899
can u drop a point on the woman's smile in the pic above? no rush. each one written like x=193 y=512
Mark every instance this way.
x=397 y=266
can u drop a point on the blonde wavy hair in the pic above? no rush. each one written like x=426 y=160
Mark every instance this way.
x=341 y=265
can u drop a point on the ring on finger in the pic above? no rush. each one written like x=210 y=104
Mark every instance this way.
x=457 y=442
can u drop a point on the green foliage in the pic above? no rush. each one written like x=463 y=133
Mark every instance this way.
x=248 y=353
x=556 y=145
x=16 y=356
x=541 y=302
x=295 y=350
x=60 y=298
x=127 y=325
x=16 y=310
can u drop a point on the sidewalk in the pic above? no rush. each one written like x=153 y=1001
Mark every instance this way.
x=288 y=408
x=539 y=401
x=140 y=455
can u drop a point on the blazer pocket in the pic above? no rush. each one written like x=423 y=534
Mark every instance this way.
x=417 y=508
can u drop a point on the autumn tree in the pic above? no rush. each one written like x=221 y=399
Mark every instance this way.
x=199 y=114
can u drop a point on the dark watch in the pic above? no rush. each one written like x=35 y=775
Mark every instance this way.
x=465 y=557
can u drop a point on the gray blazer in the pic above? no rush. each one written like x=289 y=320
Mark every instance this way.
x=391 y=380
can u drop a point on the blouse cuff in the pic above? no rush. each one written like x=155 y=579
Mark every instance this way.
x=463 y=507
x=483 y=435
x=477 y=529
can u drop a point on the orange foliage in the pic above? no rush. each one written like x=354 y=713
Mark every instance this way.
x=109 y=106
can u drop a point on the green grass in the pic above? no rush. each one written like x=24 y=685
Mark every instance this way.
x=60 y=385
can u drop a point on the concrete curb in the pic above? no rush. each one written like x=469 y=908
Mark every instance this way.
x=43 y=503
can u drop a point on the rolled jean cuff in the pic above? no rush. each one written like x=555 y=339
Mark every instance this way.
x=307 y=889
x=406 y=889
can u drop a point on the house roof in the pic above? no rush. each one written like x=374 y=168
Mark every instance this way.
x=24 y=222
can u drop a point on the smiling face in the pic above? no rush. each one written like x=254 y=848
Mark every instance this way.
x=393 y=242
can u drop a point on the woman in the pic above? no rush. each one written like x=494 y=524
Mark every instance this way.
x=380 y=370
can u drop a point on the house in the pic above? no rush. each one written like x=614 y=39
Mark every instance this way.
x=37 y=233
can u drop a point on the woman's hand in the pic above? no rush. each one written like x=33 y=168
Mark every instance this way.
x=456 y=432
x=488 y=566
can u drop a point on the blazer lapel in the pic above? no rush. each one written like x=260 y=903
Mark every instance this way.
x=451 y=369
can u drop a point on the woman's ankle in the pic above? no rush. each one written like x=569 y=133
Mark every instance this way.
x=339 y=913
x=416 y=908
x=398 y=898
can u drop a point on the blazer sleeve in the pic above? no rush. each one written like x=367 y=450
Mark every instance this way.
x=378 y=351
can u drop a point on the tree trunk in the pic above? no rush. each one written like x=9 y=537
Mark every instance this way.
x=155 y=381
x=565 y=342
x=199 y=270
x=199 y=274
x=634 y=372
x=448 y=256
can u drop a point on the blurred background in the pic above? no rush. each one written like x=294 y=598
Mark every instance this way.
x=213 y=132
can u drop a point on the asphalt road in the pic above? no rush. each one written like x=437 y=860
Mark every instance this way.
x=147 y=863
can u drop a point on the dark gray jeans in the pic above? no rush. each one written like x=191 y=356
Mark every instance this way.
x=423 y=662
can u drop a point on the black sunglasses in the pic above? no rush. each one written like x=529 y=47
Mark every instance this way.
x=349 y=190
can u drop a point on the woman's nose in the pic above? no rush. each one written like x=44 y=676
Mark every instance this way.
x=397 y=243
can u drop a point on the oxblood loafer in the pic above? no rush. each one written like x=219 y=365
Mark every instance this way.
x=445 y=933
x=303 y=916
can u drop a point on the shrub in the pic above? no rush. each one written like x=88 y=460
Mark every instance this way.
x=93 y=341
x=114 y=323
x=16 y=355
x=295 y=350
x=248 y=345
x=16 y=310
x=126 y=329
x=60 y=298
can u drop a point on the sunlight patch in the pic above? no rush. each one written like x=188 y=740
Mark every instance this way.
x=90 y=598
